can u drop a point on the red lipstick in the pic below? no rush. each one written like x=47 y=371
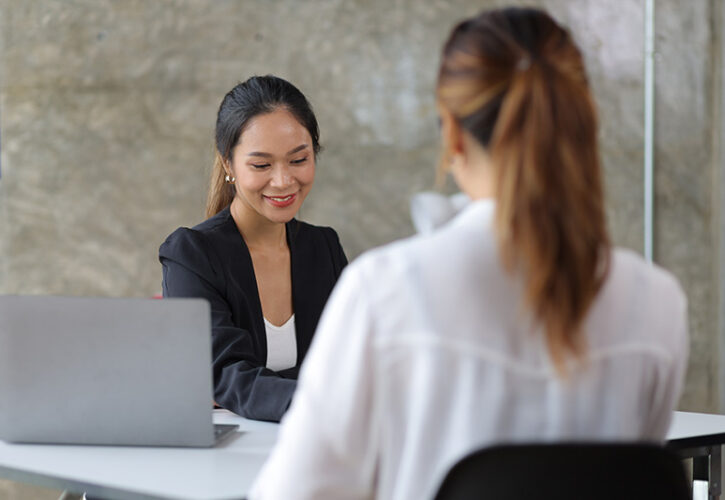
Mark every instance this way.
x=281 y=201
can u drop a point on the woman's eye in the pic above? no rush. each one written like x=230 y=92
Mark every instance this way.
x=260 y=165
x=298 y=161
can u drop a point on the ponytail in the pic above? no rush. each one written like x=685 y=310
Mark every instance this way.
x=516 y=81
x=550 y=219
x=221 y=193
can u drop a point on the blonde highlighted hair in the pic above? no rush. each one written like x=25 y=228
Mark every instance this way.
x=515 y=80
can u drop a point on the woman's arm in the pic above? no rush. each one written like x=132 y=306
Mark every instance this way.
x=327 y=446
x=242 y=384
x=669 y=382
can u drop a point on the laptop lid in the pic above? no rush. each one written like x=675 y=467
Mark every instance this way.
x=113 y=371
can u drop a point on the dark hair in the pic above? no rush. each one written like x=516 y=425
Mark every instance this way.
x=256 y=96
x=515 y=80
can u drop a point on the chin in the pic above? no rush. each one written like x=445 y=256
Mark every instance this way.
x=282 y=216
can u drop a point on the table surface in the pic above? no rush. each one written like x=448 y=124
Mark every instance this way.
x=696 y=429
x=223 y=472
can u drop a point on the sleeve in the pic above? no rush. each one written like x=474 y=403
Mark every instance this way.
x=669 y=385
x=241 y=382
x=327 y=446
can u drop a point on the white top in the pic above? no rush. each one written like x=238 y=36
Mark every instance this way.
x=281 y=345
x=423 y=355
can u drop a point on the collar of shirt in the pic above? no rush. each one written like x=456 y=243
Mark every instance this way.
x=475 y=213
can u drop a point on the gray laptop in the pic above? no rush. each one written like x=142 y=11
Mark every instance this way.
x=106 y=371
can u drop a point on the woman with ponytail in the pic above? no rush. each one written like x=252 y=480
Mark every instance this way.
x=265 y=274
x=516 y=321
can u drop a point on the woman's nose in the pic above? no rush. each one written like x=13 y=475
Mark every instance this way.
x=281 y=177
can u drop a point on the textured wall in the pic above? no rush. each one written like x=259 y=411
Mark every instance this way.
x=107 y=111
x=686 y=202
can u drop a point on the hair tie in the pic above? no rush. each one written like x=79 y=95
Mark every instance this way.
x=523 y=64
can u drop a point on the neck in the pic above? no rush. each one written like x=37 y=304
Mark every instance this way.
x=257 y=231
x=476 y=180
x=478 y=176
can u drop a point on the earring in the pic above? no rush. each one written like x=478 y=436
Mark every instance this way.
x=229 y=180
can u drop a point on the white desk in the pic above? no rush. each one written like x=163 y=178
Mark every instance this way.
x=696 y=429
x=700 y=436
x=223 y=472
x=228 y=470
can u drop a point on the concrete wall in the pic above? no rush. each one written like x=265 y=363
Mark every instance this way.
x=687 y=200
x=107 y=111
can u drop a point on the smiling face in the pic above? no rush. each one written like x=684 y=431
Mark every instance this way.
x=274 y=166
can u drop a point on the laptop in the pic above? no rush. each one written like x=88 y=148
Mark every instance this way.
x=106 y=371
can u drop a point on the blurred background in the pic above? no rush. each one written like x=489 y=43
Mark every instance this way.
x=107 y=111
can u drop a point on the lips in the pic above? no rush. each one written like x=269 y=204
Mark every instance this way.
x=281 y=201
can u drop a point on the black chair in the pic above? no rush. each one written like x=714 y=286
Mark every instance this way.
x=568 y=471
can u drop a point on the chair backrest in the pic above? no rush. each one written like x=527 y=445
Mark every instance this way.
x=565 y=471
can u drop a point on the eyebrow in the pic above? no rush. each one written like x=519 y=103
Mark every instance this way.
x=290 y=152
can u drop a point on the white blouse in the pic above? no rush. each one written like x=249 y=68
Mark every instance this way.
x=281 y=345
x=425 y=353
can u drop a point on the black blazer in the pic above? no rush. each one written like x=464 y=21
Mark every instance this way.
x=212 y=261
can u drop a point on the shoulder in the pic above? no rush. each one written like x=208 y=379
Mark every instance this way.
x=216 y=223
x=188 y=242
x=304 y=230
x=382 y=270
x=309 y=241
x=648 y=300
x=450 y=249
x=648 y=278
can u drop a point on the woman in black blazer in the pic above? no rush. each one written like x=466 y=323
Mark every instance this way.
x=257 y=265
